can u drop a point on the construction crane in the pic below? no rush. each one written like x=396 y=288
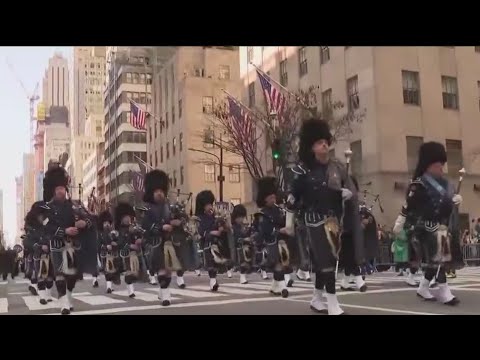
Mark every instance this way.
x=32 y=98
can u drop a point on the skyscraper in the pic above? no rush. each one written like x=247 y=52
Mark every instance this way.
x=55 y=83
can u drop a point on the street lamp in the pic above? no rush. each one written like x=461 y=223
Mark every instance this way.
x=220 y=177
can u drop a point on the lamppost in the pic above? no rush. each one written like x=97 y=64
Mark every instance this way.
x=220 y=177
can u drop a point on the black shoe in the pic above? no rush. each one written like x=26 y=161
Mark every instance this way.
x=71 y=308
x=166 y=303
x=65 y=312
x=43 y=301
x=323 y=311
x=215 y=287
x=131 y=296
x=95 y=284
x=49 y=300
x=363 y=288
x=284 y=293
x=32 y=290
x=183 y=286
x=453 y=302
x=290 y=283
x=109 y=291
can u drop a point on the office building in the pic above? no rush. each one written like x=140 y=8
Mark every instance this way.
x=55 y=82
x=131 y=69
x=187 y=86
x=411 y=94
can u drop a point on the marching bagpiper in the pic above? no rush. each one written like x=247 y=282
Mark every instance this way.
x=321 y=186
x=129 y=240
x=61 y=230
x=157 y=224
x=430 y=201
x=214 y=240
x=109 y=253
x=243 y=242
x=275 y=235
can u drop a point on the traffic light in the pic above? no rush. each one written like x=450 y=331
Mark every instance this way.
x=276 y=149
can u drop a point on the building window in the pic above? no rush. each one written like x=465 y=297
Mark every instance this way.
x=174 y=178
x=413 y=146
x=234 y=174
x=208 y=138
x=181 y=175
x=166 y=120
x=454 y=156
x=149 y=79
x=324 y=54
x=173 y=114
x=356 y=161
x=161 y=154
x=326 y=100
x=156 y=159
x=352 y=93
x=411 y=87
x=251 y=94
x=136 y=78
x=209 y=172
x=142 y=78
x=207 y=104
x=449 y=92
x=174 y=146
x=302 y=60
x=283 y=73
x=181 y=142
x=478 y=85
x=180 y=108
x=235 y=201
x=249 y=54
x=129 y=78
x=477 y=49
x=168 y=150
x=224 y=72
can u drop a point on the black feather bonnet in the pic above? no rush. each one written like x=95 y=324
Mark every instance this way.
x=154 y=180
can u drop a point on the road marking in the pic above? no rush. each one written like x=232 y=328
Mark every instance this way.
x=96 y=300
x=3 y=282
x=20 y=293
x=375 y=308
x=3 y=305
x=258 y=286
x=21 y=281
x=139 y=295
x=464 y=289
x=368 y=292
x=194 y=294
x=33 y=303
x=223 y=289
x=173 y=306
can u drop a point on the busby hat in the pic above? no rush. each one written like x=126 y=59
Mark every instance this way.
x=38 y=208
x=154 y=180
x=239 y=211
x=203 y=198
x=121 y=210
x=266 y=186
x=429 y=153
x=54 y=177
x=311 y=131
x=102 y=217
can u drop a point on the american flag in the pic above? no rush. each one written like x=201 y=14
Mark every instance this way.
x=241 y=120
x=137 y=181
x=275 y=99
x=138 y=117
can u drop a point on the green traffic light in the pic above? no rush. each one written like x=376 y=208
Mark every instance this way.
x=276 y=156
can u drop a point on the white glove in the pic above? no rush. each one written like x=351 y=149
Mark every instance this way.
x=399 y=224
x=346 y=194
x=457 y=199
x=290 y=199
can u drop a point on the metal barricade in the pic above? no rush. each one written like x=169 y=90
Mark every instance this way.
x=471 y=254
x=384 y=259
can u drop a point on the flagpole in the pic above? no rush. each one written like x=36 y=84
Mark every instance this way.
x=144 y=163
x=281 y=86
x=146 y=112
x=260 y=116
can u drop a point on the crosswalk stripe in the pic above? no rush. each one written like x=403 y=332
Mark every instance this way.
x=223 y=289
x=97 y=300
x=3 y=305
x=140 y=295
x=33 y=303
x=189 y=293
x=3 y=282
x=257 y=286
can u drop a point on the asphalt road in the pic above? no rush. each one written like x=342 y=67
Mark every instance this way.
x=387 y=294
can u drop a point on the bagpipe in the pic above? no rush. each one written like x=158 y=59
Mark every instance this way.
x=222 y=248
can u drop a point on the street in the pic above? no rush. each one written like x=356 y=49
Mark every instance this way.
x=387 y=294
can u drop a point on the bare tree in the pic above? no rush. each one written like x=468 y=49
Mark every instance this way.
x=245 y=135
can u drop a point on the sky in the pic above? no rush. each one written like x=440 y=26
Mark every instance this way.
x=29 y=64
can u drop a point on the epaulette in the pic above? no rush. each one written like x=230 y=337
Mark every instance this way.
x=299 y=169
